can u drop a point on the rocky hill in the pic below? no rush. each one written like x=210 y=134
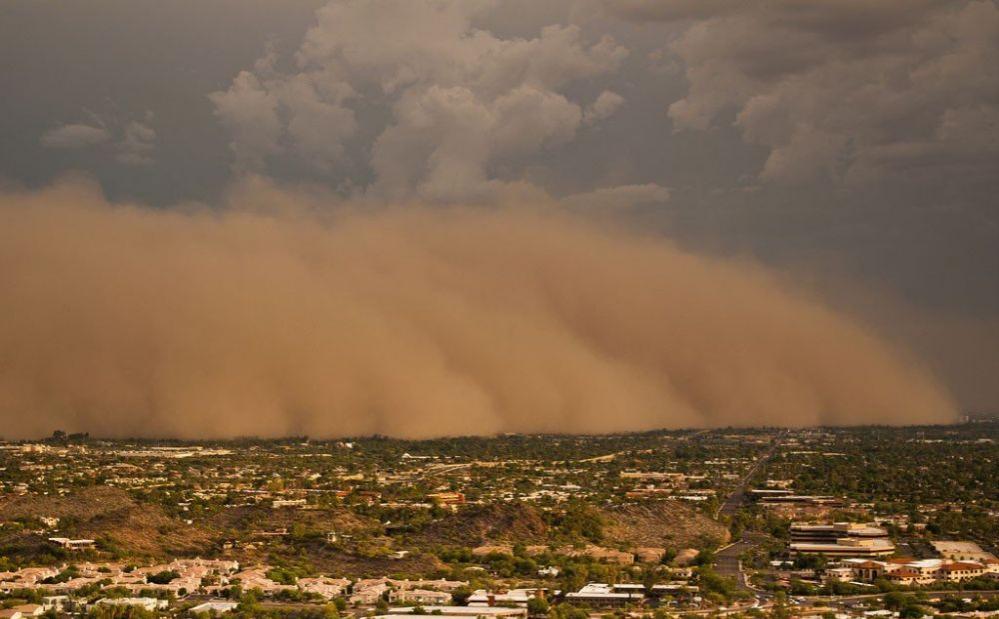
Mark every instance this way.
x=477 y=525
x=108 y=515
x=667 y=524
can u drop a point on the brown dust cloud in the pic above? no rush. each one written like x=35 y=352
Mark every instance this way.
x=192 y=322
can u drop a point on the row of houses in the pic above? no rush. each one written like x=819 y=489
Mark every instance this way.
x=58 y=604
x=216 y=576
x=63 y=579
x=190 y=575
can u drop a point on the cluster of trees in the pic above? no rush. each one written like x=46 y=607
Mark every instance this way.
x=907 y=606
x=250 y=607
x=59 y=436
x=952 y=604
x=164 y=577
x=67 y=574
x=287 y=575
x=109 y=611
x=577 y=522
x=901 y=466
x=717 y=588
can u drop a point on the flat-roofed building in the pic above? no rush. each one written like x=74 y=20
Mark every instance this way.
x=762 y=493
x=780 y=497
x=845 y=547
x=73 y=544
x=602 y=594
x=511 y=597
x=840 y=539
x=218 y=607
x=827 y=533
x=418 y=596
x=447 y=498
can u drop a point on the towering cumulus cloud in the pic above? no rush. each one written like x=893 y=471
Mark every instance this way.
x=126 y=320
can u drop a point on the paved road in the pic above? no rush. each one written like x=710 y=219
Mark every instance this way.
x=739 y=497
x=443 y=469
x=727 y=562
x=839 y=599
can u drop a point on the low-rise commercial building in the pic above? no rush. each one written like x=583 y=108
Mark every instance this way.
x=419 y=596
x=512 y=597
x=73 y=544
x=845 y=547
x=603 y=595
x=840 y=539
x=827 y=533
x=218 y=607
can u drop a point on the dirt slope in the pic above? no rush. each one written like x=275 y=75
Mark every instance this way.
x=667 y=524
x=110 y=516
x=477 y=525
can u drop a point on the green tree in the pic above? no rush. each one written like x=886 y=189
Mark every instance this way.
x=537 y=607
x=460 y=595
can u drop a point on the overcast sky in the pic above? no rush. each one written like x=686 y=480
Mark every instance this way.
x=851 y=143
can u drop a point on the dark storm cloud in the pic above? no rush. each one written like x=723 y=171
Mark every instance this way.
x=852 y=92
x=119 y=59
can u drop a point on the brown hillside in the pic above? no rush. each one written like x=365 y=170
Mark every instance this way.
x=477 y=525
x=249 y=520
x=331 y=561
x=110 y=516
x=146 y=530
x=83 y=505
x=660 y=524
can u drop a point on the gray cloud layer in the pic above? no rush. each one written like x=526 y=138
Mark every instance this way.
x=413 y=322
x=849 y=91
x=75 y=135
x=135 y=145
